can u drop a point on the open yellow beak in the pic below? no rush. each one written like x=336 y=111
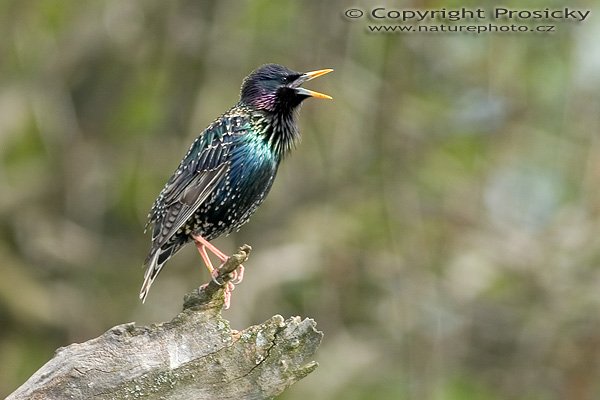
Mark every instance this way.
x=307 y=76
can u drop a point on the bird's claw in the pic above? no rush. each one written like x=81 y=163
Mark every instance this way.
x=216 y=279
x=237 y=275
x=230 y=287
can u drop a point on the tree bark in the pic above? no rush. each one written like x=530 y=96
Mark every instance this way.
x=194 y=356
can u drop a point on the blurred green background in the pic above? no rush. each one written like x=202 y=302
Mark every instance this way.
x=440 y=220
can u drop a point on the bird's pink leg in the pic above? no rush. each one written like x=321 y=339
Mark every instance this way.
x=199 y=239
x=238 y=274
x=202 y=244
x=213 y=272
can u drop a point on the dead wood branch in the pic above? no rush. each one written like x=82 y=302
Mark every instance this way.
x=194 y=356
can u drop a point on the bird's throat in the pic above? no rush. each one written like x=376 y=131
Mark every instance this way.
x=280 y=131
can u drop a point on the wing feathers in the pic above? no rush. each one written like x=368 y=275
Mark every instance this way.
x=190 y=199
x=197 y=177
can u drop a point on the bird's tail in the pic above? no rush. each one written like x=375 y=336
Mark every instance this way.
x=154 y=264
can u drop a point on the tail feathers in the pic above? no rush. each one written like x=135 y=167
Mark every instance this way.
x=154 y=264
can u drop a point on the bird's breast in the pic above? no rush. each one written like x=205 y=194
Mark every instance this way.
x=252 y=169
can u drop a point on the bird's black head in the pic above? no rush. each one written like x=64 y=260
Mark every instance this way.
x=275 y=88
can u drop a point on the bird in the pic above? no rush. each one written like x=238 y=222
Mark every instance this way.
x=228 y=170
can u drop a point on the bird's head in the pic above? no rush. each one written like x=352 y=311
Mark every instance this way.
x=275 y=88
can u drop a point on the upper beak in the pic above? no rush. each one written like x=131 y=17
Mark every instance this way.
x=307 y=76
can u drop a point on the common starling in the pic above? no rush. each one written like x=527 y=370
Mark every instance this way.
x=229 y=169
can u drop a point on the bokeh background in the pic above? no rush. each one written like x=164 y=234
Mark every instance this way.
x=440 y=220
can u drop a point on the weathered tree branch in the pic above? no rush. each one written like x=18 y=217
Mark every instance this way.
x=194 y=356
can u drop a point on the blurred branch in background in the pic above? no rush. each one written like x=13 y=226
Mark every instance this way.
x=440 y=218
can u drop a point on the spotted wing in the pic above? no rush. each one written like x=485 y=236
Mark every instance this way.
x=199 y=173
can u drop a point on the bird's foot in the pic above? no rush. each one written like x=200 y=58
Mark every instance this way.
x=230 y=287
x=214 y=274
x=238 y=275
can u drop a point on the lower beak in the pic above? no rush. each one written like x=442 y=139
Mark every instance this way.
x=307 y=76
